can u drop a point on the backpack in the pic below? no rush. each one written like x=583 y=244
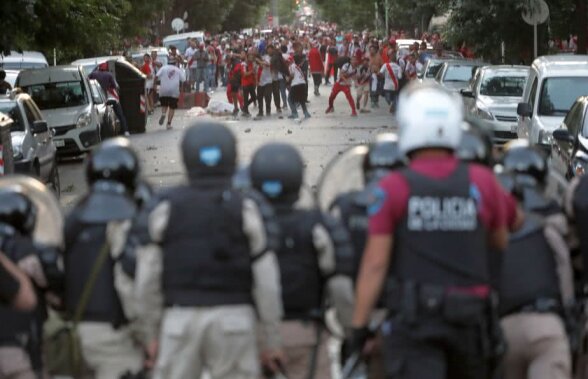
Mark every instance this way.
x=342 y=61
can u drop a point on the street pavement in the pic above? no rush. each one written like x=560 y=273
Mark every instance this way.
x=319 y=139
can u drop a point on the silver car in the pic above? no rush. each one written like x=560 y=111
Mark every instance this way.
x=494 y=95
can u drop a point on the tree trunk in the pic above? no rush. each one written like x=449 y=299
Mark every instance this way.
x=581 y=25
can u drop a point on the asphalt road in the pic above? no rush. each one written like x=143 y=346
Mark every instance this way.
x=319 y=139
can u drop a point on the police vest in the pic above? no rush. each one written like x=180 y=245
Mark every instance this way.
x=302 y=281
x=441 y=240
x=85 y=244
x=206 y=254
x=528 y=268
x=355 y=219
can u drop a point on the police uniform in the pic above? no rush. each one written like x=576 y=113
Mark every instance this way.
x=314 y=255
x=101 y=221
x=211 y=259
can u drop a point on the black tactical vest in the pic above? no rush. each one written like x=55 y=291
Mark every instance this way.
x=441 y=240
x=528 y=268
x=302 y=281
x=355 y=219
x=206 y=254
x=83 y=245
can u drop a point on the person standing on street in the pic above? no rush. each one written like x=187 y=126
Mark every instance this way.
x=298 y=88
x=362 y=85
x=317 y=67
x=347 y=74
x=248 y=81
x=110 y=87
x=264 y=83
x=332 y=55
x=95 y=233
x=147 y=70
x=202 y=308
x=170 y=77
x=200 y=61
x=314 y=251
x=211 y=66
x=392 y=74
x=432 y=228
x=536 y=284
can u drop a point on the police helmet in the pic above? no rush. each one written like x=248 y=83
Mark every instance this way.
x=18 y=211
x=277 y=170
x=209 y=149
x=475 y=145
x=429 y=116
x=113 y=161
x=521 y=158
x=383 y=156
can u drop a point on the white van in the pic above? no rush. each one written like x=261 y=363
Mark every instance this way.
x=180 y=41
x=22 y=61
x=554 y=84
x=64 y=96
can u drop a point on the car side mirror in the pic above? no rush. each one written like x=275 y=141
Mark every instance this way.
x=563 y=135
x=467 y=93
x=39 y=127
x=524 y=110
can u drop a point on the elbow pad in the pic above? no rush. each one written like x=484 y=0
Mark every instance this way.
x=50 y=258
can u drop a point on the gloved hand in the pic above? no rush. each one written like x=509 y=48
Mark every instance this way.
x=355 y=342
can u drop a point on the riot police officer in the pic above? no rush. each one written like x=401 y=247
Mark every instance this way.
x=432 y=227
x=536 y=283
x=95 y=234
x=211 y=259
x=20 y=334
x=313 y=249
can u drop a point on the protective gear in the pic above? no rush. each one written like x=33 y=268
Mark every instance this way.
x=48 y=223
x=111 y=172
x=429 y=117
x=426 y=251
x=521 y=158
x=525 y=286
x=476 y=145
x=276 y=171
x=209 y=149
x=143 y=193
x=580 y=208
x=216 y=232
x=382 y=157
x=17 y=211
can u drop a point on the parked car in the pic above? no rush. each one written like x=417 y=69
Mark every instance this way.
x=431 y=68
x=569 y=148
x=90 y=64
x=180 y=41
x=494 y=95
x=11 y=76
x=555 y=82
x=24 y=60
x=64 y=95
x=456 y=75
x=32 y=145
x=109 y=123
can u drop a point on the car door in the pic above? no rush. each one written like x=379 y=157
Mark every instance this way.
x=563 y=151
x=44 y=150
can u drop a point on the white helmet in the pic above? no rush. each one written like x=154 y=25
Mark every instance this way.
x=429 y=117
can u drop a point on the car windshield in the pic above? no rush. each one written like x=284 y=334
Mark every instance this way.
x=58 y=95
x=559 y=94
x=18 y=65
x=433 y=69
x=459 y=73
x=10 y=108
x=503 y=86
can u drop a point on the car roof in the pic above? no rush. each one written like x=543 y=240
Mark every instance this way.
x=561 y=65
x=182 y=36
x=459 y=62
x=29 y=56
x=50 y=74
x=514 y=69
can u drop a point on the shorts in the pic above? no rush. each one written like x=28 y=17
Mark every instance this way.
x=168 y=101
x=298 y=93
x=235 y=87
x=363 y=88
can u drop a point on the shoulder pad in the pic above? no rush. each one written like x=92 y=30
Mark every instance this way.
x=272 y=227
x=342 y=244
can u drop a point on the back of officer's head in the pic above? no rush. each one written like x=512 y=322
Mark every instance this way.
x=383 y=156
x=429 y=117
x=476 y=144
x=113 y=161
x=209 y=150
x=525 y=161
x=277 y=171
x=17 y=211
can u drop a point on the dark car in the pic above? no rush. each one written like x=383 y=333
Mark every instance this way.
x=456 y=75
x=569 y=147
x=32 y=144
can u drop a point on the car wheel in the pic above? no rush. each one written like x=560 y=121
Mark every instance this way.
x=54 y=182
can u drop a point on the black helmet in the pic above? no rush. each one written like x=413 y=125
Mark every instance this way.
x=18 y=211
x=113 y=161
x=475 y=145
x=382 y=157
x=277 y=170
x=522 y=159
x=209 y=149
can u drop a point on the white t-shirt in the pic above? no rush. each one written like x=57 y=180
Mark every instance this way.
x=349 y=71
x=389 y=84
x=266 y=72
x=298 y=76
x=170 y=78
x=189 y=53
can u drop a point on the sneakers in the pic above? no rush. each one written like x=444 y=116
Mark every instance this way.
x=353 y=114
x=127 y=134
x=293 y=116
x=329 y=110
x=162 y=119
x=307 y=115
x=169 y=126
x=258 y=117
x=279 y=110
